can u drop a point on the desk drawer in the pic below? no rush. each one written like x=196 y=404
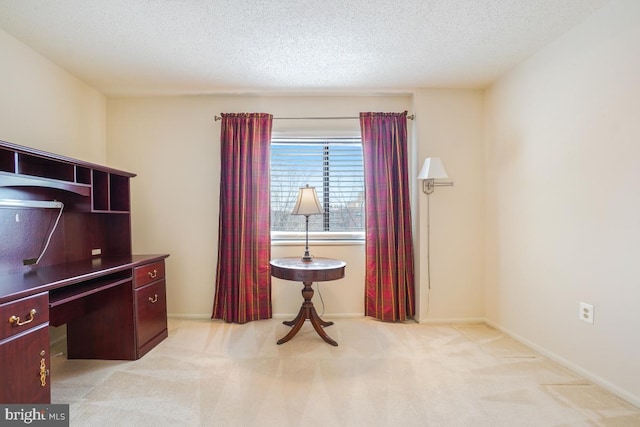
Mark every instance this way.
x=25 y=368
x=23 y=314
x=148 y=273
x=151 y=311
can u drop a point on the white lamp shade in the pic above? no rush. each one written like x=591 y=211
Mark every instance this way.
x=432 y=169
x=307 y=203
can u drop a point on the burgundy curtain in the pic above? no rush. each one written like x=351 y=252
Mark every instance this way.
x=243 y=280
x=389 y=279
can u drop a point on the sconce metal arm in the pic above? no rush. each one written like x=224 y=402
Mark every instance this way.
x=428 y=185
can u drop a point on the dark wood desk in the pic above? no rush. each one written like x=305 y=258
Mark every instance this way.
x=113 y=302
x=114 y=308
x=319 y=270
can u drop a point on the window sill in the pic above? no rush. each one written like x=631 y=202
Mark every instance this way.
x=318 y=243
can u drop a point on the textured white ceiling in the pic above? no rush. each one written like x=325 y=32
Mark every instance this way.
x=125 y=47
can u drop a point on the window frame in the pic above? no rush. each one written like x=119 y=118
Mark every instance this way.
x=319 y=236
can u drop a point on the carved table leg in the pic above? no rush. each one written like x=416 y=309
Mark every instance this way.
x=307 y=311
x=317 y=325
x=295 y=320
x=296 y=327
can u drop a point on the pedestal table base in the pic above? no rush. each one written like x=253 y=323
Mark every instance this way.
x=307 y=311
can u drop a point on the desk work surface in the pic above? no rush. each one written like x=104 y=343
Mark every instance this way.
x=40 y=279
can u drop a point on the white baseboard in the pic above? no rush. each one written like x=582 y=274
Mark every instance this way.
x=338 y=316
x=58 y=340
x=456 y=320
x=275 y=316
x=189 y=316
x=623 y=394
x=324 y=316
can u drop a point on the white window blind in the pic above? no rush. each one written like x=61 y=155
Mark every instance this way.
x=334 y=167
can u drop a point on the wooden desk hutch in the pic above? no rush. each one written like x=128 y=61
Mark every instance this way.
x=65 y=258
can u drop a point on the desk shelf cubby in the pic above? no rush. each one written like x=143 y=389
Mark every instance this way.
x=24 y=169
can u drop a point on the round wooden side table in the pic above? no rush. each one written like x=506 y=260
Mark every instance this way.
x=318 y=270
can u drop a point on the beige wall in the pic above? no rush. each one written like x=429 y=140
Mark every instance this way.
x=449 y=126
x=45 y=107
x=172 y=143
x=563 y=204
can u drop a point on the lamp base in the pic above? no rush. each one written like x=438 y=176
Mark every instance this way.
x=307 y=257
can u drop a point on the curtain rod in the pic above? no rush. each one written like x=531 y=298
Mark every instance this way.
x=411 y=117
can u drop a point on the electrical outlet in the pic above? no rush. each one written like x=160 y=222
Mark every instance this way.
x=586 y=312
x=95 y=252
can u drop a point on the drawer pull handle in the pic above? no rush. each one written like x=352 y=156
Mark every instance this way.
x=16 y=319
x=43 y=373
x=154 y=299
x=153 y=274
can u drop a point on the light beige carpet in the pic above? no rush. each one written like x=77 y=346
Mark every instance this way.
x=209 y=373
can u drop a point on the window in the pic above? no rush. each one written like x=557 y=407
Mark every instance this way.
x=335 y=167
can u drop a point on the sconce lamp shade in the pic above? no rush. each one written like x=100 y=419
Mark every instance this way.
x=432 y=169
x=307 y=203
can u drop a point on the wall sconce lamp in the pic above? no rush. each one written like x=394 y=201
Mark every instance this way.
x=433 y=169
x=307 y=204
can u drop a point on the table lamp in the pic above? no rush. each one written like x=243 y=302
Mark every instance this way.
x=307 y=204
